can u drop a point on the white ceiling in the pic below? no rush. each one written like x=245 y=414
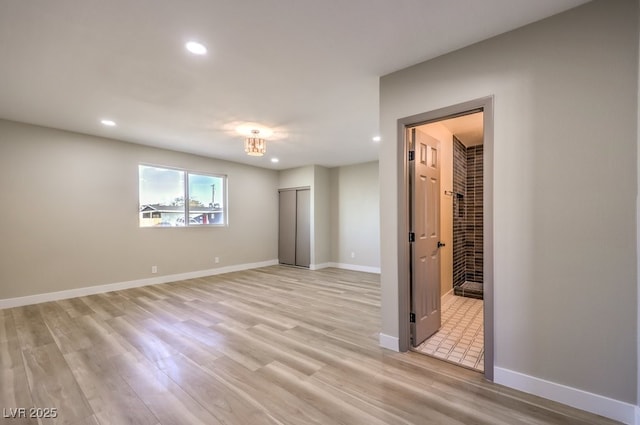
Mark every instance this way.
x=469 y=129
x=307 y=69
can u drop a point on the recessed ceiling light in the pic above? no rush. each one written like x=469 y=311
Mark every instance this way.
x=274 y=160
x=108 y=123
x=196 y=48
x=376 y=138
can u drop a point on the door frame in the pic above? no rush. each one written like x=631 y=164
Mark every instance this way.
x=484 y=104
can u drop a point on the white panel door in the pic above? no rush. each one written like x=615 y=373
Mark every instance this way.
x=425 y=226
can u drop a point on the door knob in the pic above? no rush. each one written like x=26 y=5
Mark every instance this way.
x=440 y=244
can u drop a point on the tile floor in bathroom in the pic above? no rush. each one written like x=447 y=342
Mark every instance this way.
x=460 y=340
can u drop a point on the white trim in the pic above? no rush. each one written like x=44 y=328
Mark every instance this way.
x=637 y=422
x=99 y=289
x=318 y=266
x=354 y=267
x=389 y=342
x=614 y=409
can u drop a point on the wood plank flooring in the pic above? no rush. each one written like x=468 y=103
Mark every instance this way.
x=275 y=345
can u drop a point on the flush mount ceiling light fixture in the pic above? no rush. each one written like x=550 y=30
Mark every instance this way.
x=247 y=129
x=254 y=145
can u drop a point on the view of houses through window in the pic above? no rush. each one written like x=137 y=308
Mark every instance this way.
x=173 y=197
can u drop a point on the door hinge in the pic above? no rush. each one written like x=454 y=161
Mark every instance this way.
x=412 y=155
x=412 y=317
x=412 y=237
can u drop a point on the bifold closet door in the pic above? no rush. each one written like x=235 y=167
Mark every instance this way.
x=294 y=234
x=303 y=227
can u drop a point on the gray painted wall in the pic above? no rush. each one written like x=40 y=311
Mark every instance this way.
x=355 y=215
x=296 y=177
x=322 y=215
x=565 y=176
x=70 y=214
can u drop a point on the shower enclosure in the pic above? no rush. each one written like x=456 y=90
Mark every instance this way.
x=467 y=220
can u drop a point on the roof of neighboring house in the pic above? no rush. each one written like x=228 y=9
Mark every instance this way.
x=177 y=208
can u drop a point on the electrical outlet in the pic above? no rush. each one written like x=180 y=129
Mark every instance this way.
x=154 y=269
x=353 y=254
x=216 y=260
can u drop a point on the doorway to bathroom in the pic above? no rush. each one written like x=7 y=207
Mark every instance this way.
x=459 y=338
x=449 y=219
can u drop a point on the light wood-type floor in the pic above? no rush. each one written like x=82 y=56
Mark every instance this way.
x=274 y=345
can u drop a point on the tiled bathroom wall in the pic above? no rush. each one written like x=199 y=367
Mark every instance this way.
x=474 y=216
x=459 y=198
x=468 y=213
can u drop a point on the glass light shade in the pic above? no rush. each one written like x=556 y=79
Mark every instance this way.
x=196 y=48
x=255 y=146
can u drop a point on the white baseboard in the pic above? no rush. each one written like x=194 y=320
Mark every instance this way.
x=344 y=266
x=389 y=342
x=99 y=289
x=614 y=409
x=354 y=267
x=319 y=266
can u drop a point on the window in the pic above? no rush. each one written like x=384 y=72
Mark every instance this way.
x=205 y=199
x=162 y=198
